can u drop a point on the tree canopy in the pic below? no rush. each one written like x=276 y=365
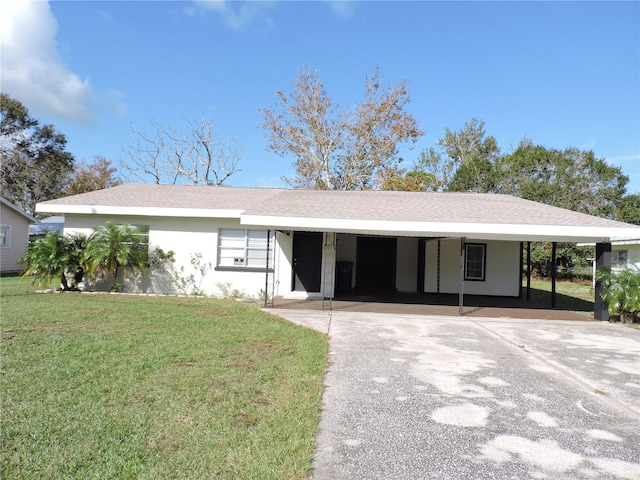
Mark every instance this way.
x=463 y=161
x=337 y=148
x=89 y=177
x=35 y=163
x=470 y=161
x=569 y=178
x=628 y=209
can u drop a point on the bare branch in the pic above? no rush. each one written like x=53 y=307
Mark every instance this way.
x=193 y=155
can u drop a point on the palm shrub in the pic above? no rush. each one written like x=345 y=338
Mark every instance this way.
x=621 y=292
x=112 y=248
x=53 y=257
x=77 y=265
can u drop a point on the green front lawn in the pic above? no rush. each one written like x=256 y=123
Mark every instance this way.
x=575 y=296
x=99 y=386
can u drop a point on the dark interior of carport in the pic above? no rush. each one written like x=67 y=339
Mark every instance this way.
x=376 y=270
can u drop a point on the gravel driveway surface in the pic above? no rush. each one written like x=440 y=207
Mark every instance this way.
x=420 y=397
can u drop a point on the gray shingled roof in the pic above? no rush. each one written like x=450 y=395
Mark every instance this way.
x=381 y=206
x=421 y=207
x=138 y=195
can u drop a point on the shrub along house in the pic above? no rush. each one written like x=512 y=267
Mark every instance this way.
x=307 y=243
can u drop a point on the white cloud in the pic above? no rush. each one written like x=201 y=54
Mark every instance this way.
x=32 y=70
x=342 y=8
x=240 y=15
x=237 y=15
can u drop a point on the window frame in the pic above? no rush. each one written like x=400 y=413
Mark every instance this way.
x=618 y=262
x=483 y=267
x=5 y=236
x=241 y=262
x=144 y=234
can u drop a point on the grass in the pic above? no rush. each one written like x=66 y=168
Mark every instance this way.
x=574 y=296
x=117 y=387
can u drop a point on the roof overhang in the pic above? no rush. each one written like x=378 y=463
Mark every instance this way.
x=479 y=231
x=138 y=211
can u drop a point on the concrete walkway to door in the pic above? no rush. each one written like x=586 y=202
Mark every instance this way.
x=441 y=397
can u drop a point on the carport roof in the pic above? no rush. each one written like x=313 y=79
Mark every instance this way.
x=477 y=216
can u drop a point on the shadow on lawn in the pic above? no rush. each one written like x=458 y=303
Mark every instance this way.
x=563 y=301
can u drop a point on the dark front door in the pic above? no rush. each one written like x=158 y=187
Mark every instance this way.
x=307 y=261
x=376 y=263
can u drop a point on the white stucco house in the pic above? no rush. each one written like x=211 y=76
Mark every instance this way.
x=625 y=253
x=14 y=236
x=314 y=244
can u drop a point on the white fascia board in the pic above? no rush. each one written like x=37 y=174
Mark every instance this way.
x=138 y=211
x=615 y=241
x=480 y=231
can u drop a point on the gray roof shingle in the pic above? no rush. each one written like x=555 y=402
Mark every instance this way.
x=357 y=205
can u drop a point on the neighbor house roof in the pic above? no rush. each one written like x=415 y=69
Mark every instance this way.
x=478 y=216
x=50 y=224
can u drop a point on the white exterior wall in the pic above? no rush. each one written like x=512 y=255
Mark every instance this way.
x=186 y=237
x=502 y=268
x=283 y=264
x=18 y=240
x=189 y=236
x=633 y=253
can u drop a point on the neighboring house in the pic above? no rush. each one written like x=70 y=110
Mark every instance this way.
x=625 y=253
x=297 y=243
x=53 y=224
x=14 y=236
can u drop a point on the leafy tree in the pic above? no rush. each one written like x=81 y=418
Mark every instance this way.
x=621 y=292
x=569 y=178
x=464 y=160
x=568 y=257
x=35 y=163
x=336 y=148
x=628 y=209
x=193 y=155
x=477 y=175
x=112 y=247
x=413 y=181
x=88 y=177
x=15 y=120
x=53 y=257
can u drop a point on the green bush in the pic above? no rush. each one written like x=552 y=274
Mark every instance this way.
x=111 y=249
x=55 y=256
x=621 y=291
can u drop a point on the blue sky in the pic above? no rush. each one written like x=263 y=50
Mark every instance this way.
x=561 y=74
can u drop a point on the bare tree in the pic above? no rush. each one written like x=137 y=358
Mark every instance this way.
x=192 y=156
x=338 y=149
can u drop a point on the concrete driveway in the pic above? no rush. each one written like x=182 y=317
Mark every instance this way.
x=434 y=397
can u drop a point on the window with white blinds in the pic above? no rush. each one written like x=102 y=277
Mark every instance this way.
x=244 y=248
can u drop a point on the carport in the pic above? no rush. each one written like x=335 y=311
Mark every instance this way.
x=462 y=218
x=434 y=305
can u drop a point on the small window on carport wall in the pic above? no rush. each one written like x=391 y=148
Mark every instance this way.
x=475 y=264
